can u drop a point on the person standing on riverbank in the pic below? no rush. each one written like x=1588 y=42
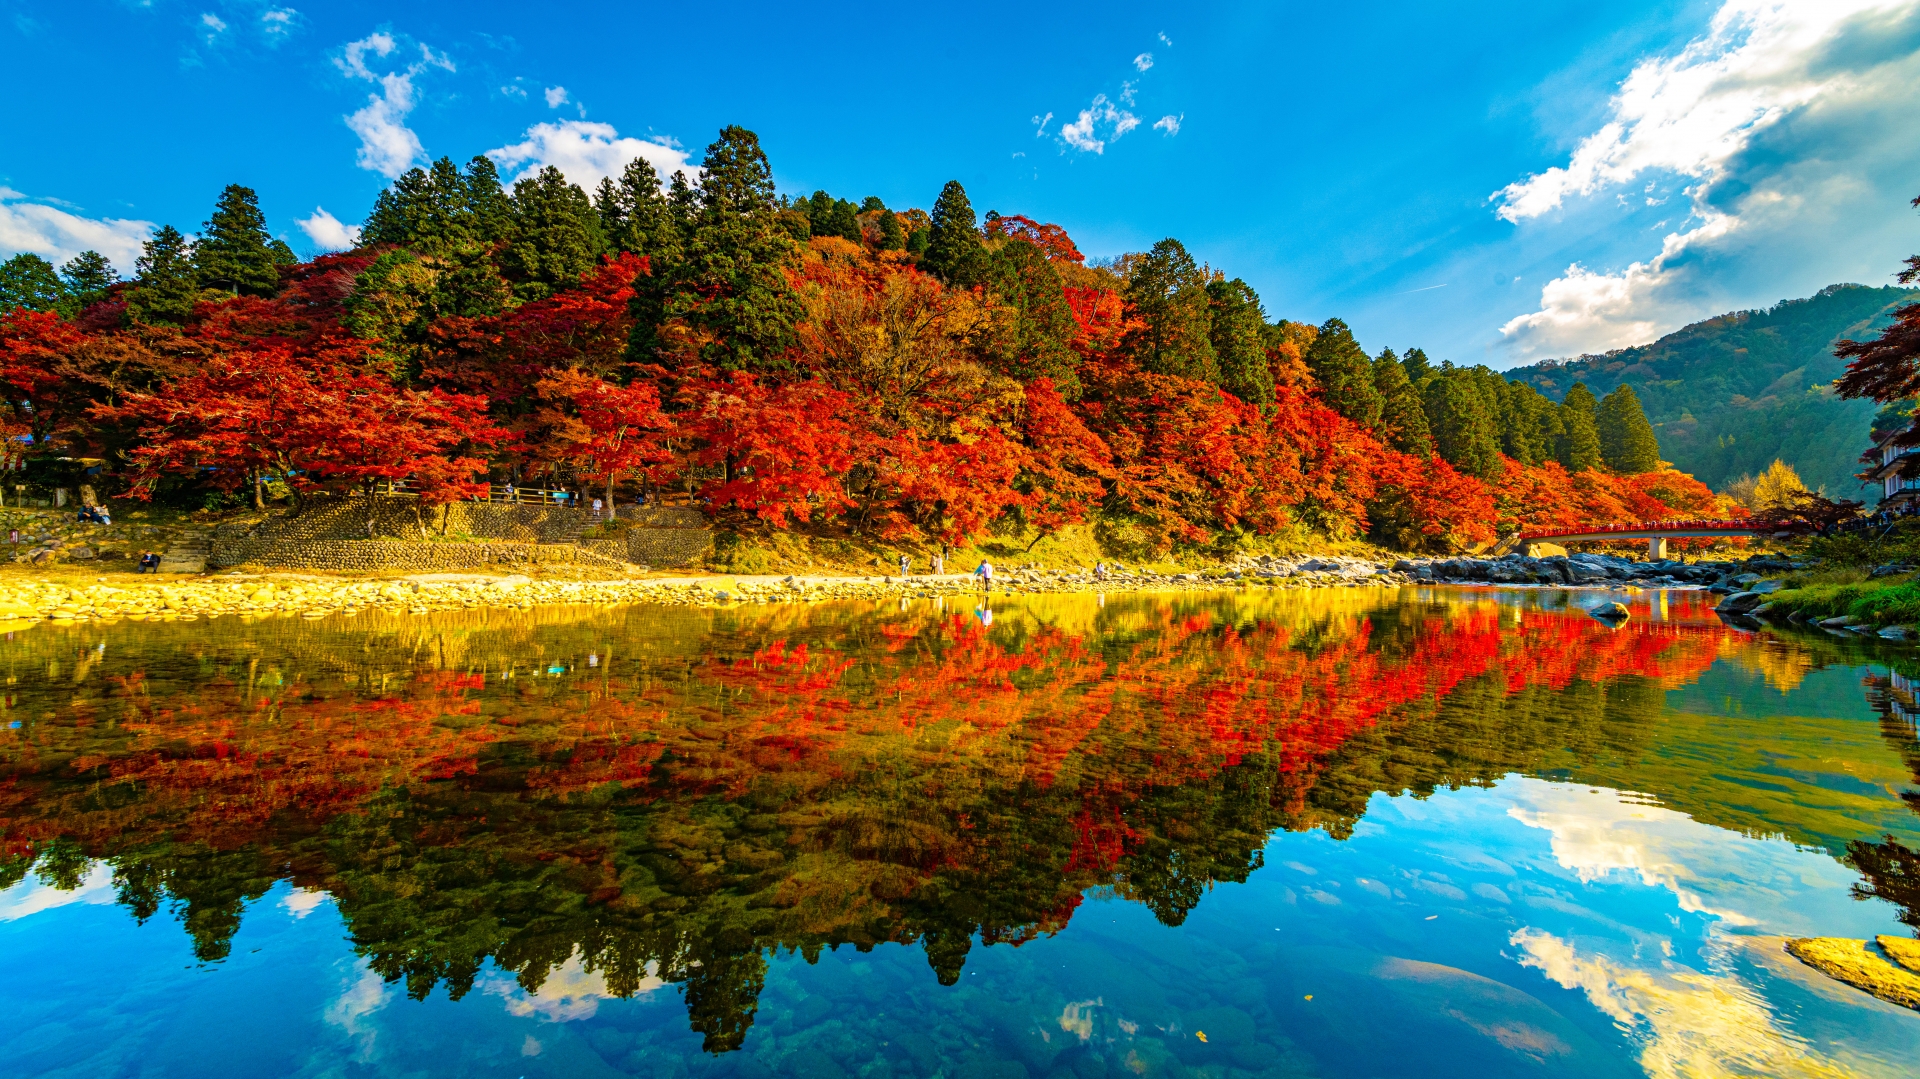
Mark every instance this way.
x=985 y=573
x=906 y=565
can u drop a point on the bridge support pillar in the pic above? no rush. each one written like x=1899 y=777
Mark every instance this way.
x=1657 y=549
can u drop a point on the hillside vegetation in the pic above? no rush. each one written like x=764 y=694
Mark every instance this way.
x=1729 y=395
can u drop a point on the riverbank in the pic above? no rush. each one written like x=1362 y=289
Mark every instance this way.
x=37 y=595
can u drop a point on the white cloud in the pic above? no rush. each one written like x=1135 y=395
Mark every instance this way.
x=1169 y=124
x=1772 y=104
x=556 y=96
x=569 y=992
x=212 y=22
x=353 y=1011
x=1165 y=40
x=1143 y=61
x=586 y=152
x=1098 y=124
x=327 y=232
x=387 y=145
x=277 y=22
x=33 y=895
x=56 y=235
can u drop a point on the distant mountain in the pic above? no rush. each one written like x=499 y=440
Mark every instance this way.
x=1728 y=395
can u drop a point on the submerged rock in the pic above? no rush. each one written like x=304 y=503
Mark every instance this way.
x=1611 y=612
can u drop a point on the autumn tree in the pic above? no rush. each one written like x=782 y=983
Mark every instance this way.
x=954 y=251
x=1627 y=443
x=1037 y=342
x=1168 y=292
x=1345 y=374
x=606 y=429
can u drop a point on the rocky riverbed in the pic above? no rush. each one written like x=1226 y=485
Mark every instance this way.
x=32 y=599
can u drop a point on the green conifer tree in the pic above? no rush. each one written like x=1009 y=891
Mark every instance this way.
x=1237 y=330
x=731 y=284
x=28 y=281
x=1168 y=290
x=1464 y=431
x=487 y=211
x=164 y=287
x=1345 y=374
x=636 y=216
x=954 y=250
x=88 y=276
x=1578 y=447
x=1627 y=442
x=1039 y=340
x=1403 y=418
x=1418 y=367
x=892 y=236
x=235 y=252
x=556 y=235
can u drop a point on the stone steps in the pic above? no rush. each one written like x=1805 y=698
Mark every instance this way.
x=188 y=554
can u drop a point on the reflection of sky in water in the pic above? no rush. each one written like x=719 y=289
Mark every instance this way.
x=1534 y=928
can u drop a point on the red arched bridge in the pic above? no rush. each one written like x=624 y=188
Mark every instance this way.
x=1656 y=533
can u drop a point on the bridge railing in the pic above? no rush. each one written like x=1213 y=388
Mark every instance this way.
x=1726 y=524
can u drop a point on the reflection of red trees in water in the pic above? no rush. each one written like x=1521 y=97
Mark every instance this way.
x=1171 y=696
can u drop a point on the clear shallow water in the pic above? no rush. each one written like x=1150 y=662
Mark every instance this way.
x=1339 y=834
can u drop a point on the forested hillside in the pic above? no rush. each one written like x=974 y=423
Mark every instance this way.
x=1729 y=395
x=908 y=377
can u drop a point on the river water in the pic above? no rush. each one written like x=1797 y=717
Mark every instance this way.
x=1335 y=833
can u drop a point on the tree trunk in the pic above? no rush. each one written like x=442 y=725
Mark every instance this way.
x=611 y=513
x=259 y=492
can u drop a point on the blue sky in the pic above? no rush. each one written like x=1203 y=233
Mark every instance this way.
x=1495 y=182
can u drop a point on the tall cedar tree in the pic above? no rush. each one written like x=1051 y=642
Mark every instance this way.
x=88 y=276
x=1403 y=419
x=1418 y=367
x=27 y=280
x=1345 y=374
x=1464 y=432
x=635 y=216
x=1039 y=343
x=1579 y=443
x=556 y=235
x=1175 y=335
x=235 y=252
x=732 y=288
x=893 y=237
x=164 y=287
x=1238 y=326
x=440 y=210
x=1626 y=438
x=1529 y=423
x=828 y=216
x=954 y=251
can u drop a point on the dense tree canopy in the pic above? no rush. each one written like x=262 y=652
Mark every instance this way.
x=788 y=362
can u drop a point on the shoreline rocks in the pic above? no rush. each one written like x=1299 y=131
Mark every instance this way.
x=31 y=600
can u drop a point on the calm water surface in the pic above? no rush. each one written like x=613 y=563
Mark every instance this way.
x=1356 y=833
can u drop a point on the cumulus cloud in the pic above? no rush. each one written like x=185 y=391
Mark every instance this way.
x=586 y=152
x=387 y=145
x=1169 y=124
x=1780 y=103
x=570 y=991
x=1098 y=124
x=1143 y=61
x=57 y=235
x=556 y=96
x=328 y=232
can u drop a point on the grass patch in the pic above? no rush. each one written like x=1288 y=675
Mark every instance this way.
x=1883 y=602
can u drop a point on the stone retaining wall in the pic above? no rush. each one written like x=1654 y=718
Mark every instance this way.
x=396 y=518
x=399 y=556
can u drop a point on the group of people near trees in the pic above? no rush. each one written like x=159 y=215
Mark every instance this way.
x=918 y=377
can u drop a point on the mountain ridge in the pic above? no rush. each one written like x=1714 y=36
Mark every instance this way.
x=1728 y=394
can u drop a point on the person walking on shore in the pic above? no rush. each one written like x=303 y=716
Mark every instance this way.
x=985 y=573
x=906 y=565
